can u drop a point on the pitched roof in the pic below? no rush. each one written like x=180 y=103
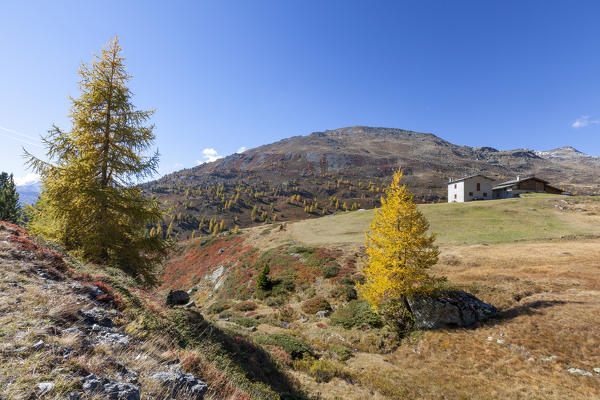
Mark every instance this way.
x=469 y=177
x=515 y=181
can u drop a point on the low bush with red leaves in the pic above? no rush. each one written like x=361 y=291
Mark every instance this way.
x=56 y=266
x=315 y=304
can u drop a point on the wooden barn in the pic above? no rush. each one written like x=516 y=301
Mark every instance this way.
x=515 y=187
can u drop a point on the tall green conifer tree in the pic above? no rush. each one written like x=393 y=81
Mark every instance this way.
x=91 y=201
x=10 y=210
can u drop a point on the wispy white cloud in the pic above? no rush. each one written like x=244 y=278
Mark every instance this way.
x=27 y=179
x=583 y=121
x=242 y=149
x=209 y=155
x=19 y=136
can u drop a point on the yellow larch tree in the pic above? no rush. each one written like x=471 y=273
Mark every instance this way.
x=92 y=202
x=400 y=251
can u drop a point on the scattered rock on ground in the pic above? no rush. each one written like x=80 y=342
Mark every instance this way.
x=549 y=358
x=190 y=304
x=38 y=346
x=580 y=372
x=73 y=331
x=44 y=387
x=113 y=390
x=179 y=383
x=95 y=316
x=322 y=314
x=450 y=310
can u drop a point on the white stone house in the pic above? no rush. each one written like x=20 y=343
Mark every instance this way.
x=474 y=187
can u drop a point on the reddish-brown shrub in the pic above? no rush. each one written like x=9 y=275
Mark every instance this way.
x=287 y=314
x=315 y=304
x=246 y=306
x=280 y=354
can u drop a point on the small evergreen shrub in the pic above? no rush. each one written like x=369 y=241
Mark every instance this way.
x=263 y=281
x=331 y=270
x=244 y=321
x=218 y=307
x=341 y=352
x=292 y=345
x=344 y=292
x=311 y=306
x=226 y=314
x=357 y=313
x=346 y=280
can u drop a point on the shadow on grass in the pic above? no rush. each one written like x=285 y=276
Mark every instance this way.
x=238 y=351
x=530 y=308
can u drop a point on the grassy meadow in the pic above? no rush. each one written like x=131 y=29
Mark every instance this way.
x=533 y=217
x=536 y=258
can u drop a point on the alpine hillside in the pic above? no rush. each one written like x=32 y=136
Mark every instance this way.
x=344 y=169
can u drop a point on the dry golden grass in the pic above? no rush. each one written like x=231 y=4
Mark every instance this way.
x=543 y=274
x=548 y=296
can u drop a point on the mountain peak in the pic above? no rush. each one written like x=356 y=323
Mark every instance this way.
x=569 y=149
x=561 y=152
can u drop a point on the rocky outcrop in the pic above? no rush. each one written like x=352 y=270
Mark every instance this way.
x=178 y=383
x=177 y=297
x=112 y=390
x=451 y=309
x=96 y=316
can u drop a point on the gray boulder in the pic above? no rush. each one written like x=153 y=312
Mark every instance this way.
x=322 y=314
x=178 y=383
x=452 y=309
x=177 y=297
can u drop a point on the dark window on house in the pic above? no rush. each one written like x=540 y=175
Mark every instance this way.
x=478 y=186
x=484 y=194
x=455 y=186
x=470 y=193
x=454 y=195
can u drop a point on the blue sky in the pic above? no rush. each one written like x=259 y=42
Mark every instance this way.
x=229 y=74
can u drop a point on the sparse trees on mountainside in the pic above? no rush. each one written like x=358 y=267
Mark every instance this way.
x=91 y=202
x=10 y=211
x=400 y=251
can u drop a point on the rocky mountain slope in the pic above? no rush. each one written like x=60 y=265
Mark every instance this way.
x=324 y=172
x=70 y=330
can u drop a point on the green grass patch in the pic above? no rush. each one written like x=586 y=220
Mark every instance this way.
x=292 y=345
x=357 y=313
x=245 y=322
x=531 y=217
